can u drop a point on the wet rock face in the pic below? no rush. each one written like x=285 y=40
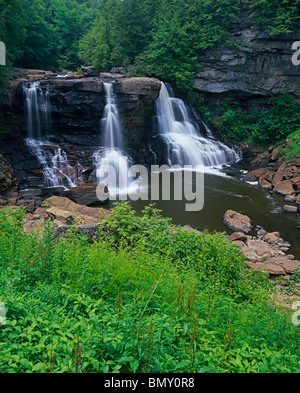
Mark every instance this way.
x=77 y=107
x=251 y=73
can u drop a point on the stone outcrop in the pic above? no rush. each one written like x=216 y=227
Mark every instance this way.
x=251 y=72
x=136 y=103
x=64 y=213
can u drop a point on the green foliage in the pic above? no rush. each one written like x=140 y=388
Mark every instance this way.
x=232 y=124
x=119 y=34
x=293 y=144
x=146 y=297
x=277 y=16
x=45 y=33
x=279 y=121
x=262 y=128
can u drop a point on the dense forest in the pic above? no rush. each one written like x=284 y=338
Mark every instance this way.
x=160 y=38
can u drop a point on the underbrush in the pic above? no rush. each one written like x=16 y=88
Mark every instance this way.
x=146 y=297
x=293 y=144
x=262 y=127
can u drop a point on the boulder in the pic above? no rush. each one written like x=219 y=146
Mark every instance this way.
x=278 y=177
x=258 y=250
x=290 y=198
x=272 y=238
x=89 y=71
x=64 y=213
x=284 y=187
x=289 y=209
x=237 y=236
x=268 y=175
x=237 y=222
x=290 y=266
x=34 y=225
x=265 y=184
x=118 y=70
x=272 y=268
x=261 y=232
x=253 y=176
x=86 y=194
x=140 y=86
x=298 y=202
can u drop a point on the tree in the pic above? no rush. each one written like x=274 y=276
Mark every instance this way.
x=45 y=33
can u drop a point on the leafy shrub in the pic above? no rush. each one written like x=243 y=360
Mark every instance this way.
x=279 y=121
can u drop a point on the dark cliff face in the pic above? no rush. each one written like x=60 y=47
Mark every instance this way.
x=248 y=75
x=77 y=107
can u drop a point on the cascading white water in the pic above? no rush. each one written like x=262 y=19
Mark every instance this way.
x=111 y=125
x=113 y=142
x=185 y=145
x=56 y=168
x=37 y=109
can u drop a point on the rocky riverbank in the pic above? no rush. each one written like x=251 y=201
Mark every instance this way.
x=275 y=173
x=264 y=251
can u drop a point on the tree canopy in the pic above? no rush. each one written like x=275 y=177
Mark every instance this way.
x=159 y=37
x=45 y=33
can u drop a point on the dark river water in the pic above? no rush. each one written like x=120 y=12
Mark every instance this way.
x=224 y=192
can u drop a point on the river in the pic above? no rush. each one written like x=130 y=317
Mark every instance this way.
x=225 y=192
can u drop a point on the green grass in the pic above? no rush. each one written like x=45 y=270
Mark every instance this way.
x=145 y=297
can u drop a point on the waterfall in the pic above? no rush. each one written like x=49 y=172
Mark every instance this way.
x=56 y=168
x=111 y=156
x=111 y=125
x=184 y=143
x=37 y=109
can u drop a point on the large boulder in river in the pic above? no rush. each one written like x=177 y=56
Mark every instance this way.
x=237 y=222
